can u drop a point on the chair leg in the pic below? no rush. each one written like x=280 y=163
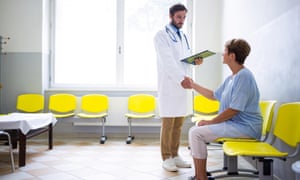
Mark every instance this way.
x=130 y=138
x=232 y=169
x=232 y=165
x=265 y=169
x=11 y=154
x=103 y=137
x=10 y=150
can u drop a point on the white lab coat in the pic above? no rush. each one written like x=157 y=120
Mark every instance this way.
x=172 y=97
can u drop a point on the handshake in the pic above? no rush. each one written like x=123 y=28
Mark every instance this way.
x=187 y=83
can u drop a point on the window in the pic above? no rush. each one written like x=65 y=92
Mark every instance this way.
x=106 y=43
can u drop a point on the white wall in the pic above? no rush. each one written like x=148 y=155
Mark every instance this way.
x=207 y=35
x=272 y=29
x=21 y=63
x=22 y=22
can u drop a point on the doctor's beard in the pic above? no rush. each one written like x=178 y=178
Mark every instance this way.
x=177 y=25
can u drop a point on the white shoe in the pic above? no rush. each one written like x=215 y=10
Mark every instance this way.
x=181 y=163
x=169 y=165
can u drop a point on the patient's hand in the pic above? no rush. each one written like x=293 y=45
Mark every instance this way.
x=204 y=122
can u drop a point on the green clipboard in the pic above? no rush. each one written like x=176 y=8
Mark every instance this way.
x=202 y=55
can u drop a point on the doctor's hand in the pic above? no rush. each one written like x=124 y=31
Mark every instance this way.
x=198 y=61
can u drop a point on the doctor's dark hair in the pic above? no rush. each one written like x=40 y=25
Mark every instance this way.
x=240 y=48
x=177 y=7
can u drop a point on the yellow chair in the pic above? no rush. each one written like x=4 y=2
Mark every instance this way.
x=287 y=121
x=204 y=108
x=62 y=105
x=10 y=149
x=267 y=112
x=95 y=106
x=140 y=106
x=230 y=163
x=30 y=103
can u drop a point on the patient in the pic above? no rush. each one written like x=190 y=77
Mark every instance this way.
x=239 y=114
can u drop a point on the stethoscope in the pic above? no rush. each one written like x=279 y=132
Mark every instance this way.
x=173 y=37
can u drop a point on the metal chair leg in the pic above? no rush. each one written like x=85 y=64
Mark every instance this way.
x=11 y=154
x=130 y=137
x=10 y=150
x=265 y=169
x=230 y=168
x=103 y=137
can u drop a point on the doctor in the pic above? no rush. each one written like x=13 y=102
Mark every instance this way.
x=171 y=46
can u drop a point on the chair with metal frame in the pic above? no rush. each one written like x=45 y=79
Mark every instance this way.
x=10 y=149
x=30 y=103
x=62 y=105
x=95 y=106
x=230 y=164
x=140 y=106
x=287 y=120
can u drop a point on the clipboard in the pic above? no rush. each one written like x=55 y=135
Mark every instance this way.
x=202 y=55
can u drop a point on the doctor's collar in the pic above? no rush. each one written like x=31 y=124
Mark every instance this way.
x=175 y=29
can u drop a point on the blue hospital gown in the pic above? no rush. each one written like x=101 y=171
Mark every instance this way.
x=239 y=92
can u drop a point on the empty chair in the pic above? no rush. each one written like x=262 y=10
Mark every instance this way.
x=62 y=105
x=140 y=106
x=30 y=103
x=95 y=106
x=10 y=149
x=204 y=108
x=230 y=163
x=287 y=121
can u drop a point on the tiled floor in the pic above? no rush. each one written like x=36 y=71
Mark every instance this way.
x=87 y=159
